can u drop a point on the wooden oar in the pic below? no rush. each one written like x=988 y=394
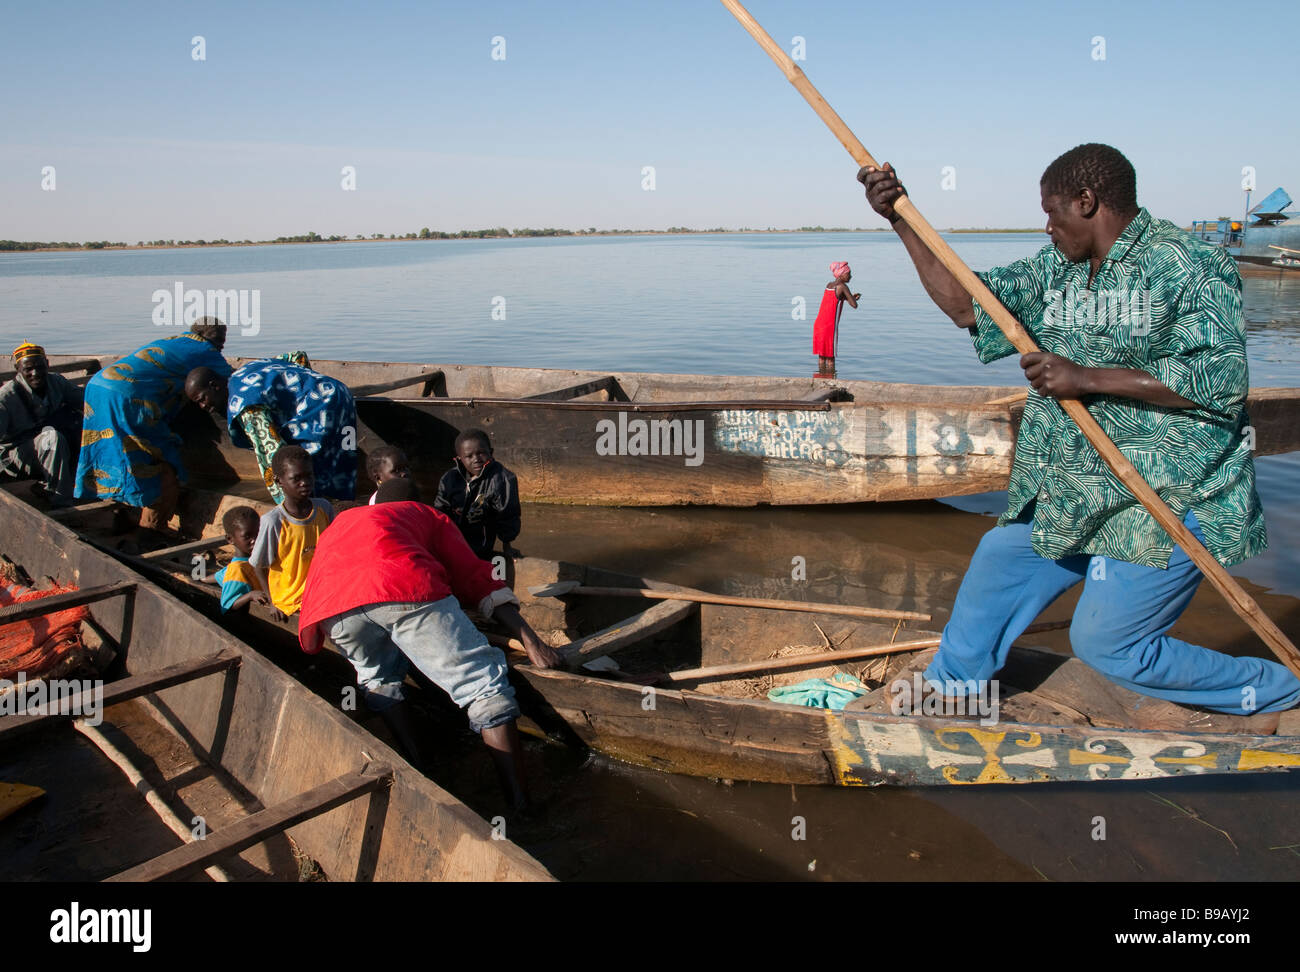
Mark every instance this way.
x=819 y=658
x=700 y=597
x=1241 y=602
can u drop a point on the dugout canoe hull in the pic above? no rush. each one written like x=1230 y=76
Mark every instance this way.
x=712 y=730
x=269 y=734
x=707 y=730
x=646 y=439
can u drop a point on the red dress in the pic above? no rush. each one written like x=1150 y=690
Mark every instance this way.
x=827 y=324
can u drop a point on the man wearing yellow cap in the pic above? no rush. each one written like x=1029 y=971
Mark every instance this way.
x=40 y=424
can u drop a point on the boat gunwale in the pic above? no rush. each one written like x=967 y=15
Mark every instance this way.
x=268 y=757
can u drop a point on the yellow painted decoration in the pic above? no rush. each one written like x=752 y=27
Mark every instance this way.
x=1208 y=760
x=843 y=758
x=990 y=742
x=91 y=436
x=1079 y=756
x=1252 y=759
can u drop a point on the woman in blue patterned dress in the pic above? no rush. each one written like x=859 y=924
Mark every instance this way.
x=278 y=401
x=129 y=451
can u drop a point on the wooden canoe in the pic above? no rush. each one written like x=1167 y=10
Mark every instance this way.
x=291 y=753
x=642 y=439
x=1057 y=721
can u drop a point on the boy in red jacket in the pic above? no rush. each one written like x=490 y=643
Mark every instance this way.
x=384 y=586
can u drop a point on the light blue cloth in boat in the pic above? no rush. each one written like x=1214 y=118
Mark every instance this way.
x=821 y=693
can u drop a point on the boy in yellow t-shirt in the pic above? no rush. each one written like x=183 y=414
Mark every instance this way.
x=287 y=537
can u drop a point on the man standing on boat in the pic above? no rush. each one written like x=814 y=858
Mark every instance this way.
x=40 y=424
x=1143 y=324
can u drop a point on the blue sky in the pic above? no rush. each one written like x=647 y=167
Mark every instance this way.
x=149 y=143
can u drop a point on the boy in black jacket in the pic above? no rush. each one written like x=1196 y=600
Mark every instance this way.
x=480 y=495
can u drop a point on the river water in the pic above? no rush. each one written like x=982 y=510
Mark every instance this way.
x=728 y=304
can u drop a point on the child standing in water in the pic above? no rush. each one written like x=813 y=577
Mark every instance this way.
x=825 y=328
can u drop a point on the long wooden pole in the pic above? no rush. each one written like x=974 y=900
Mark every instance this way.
x=1238 y=599
x=821 y=658
x=702 y=597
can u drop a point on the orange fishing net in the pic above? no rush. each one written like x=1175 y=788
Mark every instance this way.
x=34 y=647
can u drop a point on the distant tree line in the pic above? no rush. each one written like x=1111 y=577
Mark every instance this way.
x=499 y=232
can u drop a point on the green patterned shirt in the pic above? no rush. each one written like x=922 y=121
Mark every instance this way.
x=1164 y=303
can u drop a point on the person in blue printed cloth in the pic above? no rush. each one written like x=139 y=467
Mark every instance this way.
x=129 y=451
x=282 y=401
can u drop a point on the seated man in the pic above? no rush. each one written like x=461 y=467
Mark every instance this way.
x=40 y=425
x=384 y=586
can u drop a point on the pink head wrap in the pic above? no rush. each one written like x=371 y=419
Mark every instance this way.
x=839 y=268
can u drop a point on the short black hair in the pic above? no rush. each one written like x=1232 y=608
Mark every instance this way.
x=237 y=515
x=381 y=455
x=287 y=454
x=470 y=434
x=397 y=491
x=1098 y=167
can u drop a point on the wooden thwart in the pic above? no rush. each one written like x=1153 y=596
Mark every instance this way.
x=85 y=364
x=836 y=394
x=91 y=507
x=27 y=610
x=701 y=597
x=181 y=549
x=430 y=379
x=191 y=858
x=636 y=628
x=120 y=691
x=607 y=384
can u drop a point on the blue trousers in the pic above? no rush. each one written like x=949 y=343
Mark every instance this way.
x=1119 y=625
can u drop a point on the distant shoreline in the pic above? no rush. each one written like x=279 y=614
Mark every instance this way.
x=15 y=246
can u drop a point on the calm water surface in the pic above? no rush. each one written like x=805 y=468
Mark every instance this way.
x=723 y=305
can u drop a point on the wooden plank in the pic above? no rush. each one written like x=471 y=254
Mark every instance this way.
x=100 y=696
x=817 y=659
x=181 y=549
x=430 y=379
x=85 y=364
x=27 y=610
x=703 y=597
x=608 y=384
x=189 y=859
x=640 y=408
x=636 y=628
x=90 y=507
x=836 y=394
